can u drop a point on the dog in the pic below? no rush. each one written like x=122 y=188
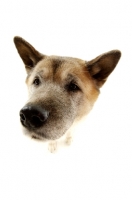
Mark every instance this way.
x=62 y=90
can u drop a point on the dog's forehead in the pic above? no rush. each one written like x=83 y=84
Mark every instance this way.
x=56 y=62
x=55 y=66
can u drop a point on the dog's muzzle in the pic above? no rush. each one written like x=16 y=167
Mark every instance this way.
x=33 y=117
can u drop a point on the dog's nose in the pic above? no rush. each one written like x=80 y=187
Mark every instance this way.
x=33 y=116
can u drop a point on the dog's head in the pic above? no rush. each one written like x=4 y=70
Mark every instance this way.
x=61 y=89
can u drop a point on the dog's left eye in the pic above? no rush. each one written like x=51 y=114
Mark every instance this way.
x=36 y=81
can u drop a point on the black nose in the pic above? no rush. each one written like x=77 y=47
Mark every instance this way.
x=33 y=116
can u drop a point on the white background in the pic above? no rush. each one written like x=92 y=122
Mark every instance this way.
x=98 y=164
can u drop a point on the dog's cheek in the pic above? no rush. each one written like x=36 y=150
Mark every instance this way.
x=82 y=105
x=77 y=98
x=76 y=102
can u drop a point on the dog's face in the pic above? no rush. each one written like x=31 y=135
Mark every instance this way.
x=61 y=89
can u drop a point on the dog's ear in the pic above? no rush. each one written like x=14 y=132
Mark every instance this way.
x=27 y=52
x=101 y=67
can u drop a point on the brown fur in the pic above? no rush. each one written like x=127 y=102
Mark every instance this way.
x=69 y=86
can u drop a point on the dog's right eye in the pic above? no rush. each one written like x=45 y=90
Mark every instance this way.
x=73 y=87
x=36 y=81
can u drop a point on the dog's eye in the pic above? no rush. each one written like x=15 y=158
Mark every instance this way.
x=73 y=87
x=36 y=81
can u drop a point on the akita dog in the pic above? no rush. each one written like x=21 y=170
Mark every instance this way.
x=62 y=90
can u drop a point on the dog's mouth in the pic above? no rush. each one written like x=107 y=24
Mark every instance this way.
x=34 y=131
x=38 y=137
x=35 y=137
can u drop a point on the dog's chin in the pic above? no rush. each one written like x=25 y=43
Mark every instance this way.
x=41 y=136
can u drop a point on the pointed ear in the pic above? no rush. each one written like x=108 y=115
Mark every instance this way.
x=101 y=67
x=27 y=52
